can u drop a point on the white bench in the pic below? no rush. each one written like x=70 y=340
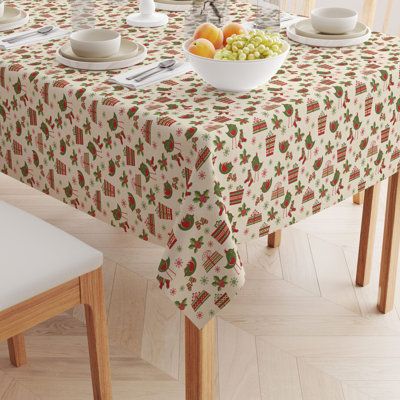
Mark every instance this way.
x=44 y=272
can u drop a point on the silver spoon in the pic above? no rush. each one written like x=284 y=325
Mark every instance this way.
x=162 y=65
x=42 y=31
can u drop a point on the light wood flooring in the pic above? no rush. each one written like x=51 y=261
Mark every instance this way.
x=300 y=329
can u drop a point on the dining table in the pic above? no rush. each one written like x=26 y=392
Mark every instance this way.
x=200 y=171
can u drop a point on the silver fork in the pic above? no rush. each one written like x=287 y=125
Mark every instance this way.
x=42 y=31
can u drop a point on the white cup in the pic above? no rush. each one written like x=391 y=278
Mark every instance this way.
x=334 y=20
x=2 y=5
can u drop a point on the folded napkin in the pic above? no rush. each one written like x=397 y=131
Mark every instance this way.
x=181 y=69
x=55 y=34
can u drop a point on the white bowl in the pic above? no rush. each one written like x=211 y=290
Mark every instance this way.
x=2 y=5
x=95 y=43
x=334 y=20
x=236 y=76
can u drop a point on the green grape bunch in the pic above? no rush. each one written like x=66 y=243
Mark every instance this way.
x=253 y=45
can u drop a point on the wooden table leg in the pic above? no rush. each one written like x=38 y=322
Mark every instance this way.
x=367 y=236
x=274 y=239
x=199 y=361
x=16 y=349
x=390 y=246
x=358 y=198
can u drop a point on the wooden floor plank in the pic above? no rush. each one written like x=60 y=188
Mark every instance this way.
x=161 y=332
x=297 y=261
x=268 y=288
x=333 y=274
x=279 y=375
x=283 y=306
x=358 y=368
x=351 y=393
x=10 y=389
x=238 y=368
x=367 y=296
x=338 y=346
x=127 y=309
x=377 y=390
x=293 y=325
x=265 y=258
x=316 y=385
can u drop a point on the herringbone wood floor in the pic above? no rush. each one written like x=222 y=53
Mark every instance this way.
x=300 y=329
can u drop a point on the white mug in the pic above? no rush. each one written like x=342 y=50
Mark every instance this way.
x=1 y=8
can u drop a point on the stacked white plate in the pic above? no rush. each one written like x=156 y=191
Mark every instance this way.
x=13 y=18
x=129 y=54
x=174 y=5
x=303 y=32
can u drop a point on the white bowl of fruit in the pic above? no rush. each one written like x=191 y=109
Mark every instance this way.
x=233 y=59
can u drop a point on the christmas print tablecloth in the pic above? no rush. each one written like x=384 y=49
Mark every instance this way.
x=188 y=167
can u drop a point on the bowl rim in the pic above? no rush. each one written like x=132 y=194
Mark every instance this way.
x=261 y=60
x=117 y=35
x=315 y=13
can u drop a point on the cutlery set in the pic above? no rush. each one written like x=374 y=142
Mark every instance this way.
x=166 y=65
x=42 y=31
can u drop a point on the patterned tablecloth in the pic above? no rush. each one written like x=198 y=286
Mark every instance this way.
x=190 y=168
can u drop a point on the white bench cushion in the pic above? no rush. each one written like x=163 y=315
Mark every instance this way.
x=36 y=256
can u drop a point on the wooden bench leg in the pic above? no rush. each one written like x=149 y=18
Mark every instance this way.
x=367 y=236
x=390 y=246
x=358 y=198
x=92 y=296
x=199 y=360
x=274 y=239
x=16 y=349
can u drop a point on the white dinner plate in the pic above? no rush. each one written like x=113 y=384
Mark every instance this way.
x=103 y=65
x=292 y=35
x=13 y=18
x=173 y=5
x=127 y=51
x=305 y=28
